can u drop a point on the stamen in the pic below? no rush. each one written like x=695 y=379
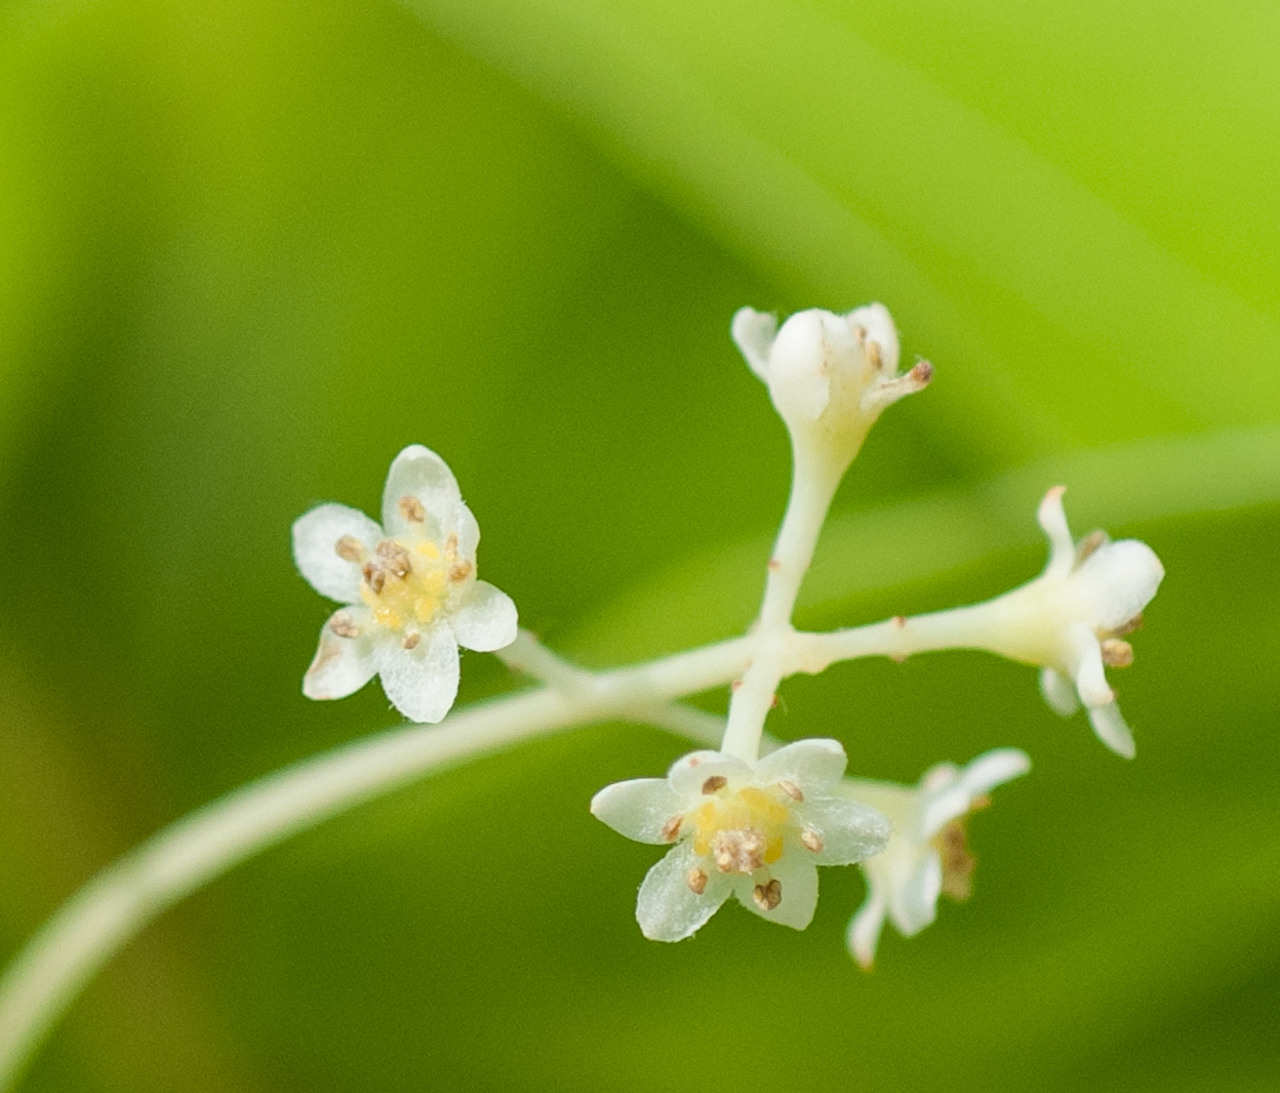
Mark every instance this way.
x=811 y=840
x=1116 y=653
x=714 y=784
x=874 y=356
x=411 y=509
x=411 y=640
x=344 y=625
x=1089 y=544
x=671 y=829
x=460 y=572
x=1129 y=627
x=349 y=549
x=739 y=851
x=768 y=896
x=394 y=558
x=958 y=864
x=697 y=881
x=375 y=576
x=791 y=790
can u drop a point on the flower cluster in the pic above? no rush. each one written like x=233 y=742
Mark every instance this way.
x=409 y=588
x=754 y=831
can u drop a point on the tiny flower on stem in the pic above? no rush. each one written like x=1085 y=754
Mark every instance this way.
x=756 y=831
x=829 y=375
x=409 y=587
x=1072 y=619
x=928 y=854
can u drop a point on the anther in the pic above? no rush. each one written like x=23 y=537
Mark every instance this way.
x=1116 y=653
x=411 y=640
x=791 y=789
x=768 y=896
x=774 y=565
x=1129 y=627
x=921 y=374
x=696 y=879
x=460 y=572
x=411 y=509
x=714 y=784
x=1089 y=544
x=344 y=625
x=349 y=549
x=874 y=356
x=671 y=829
x=811 y=840
x=375 y=576
x=394 y=557
x=899 y=621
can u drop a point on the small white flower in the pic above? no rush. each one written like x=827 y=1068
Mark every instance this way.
x=1071 y=620
x=927 y=855
x=410 y=588
x=756 y=831
x=829 y=375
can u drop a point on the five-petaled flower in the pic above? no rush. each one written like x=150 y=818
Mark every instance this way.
x=1072 y=619
x=927 y=855
x=829 y=375
x=409 y=587
x=757 y=831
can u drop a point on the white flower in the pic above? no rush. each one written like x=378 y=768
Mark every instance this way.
x=829 y=375
x=1072 y=618
x=927 y=855
x=410 y=588
x=756 y=831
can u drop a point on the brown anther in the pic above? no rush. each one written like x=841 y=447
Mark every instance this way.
x=1116 y=653
x=791 y=789
x=774 y=565
x=394 y=558
x=714 y=784
x=459 y=572
x=1089 y=544
x=349 y=549
x=736 y=685
x=411 y=640
x=875 y=356
x=958 y=864
x=859 y=333
x=411 y=509
x=768 y=896
x=811 y=840
x=671 y=829
x=899 y=621
x=375 y=576
x=451 y=546
x=696 y=879
x=344 y=625
x=921 y=374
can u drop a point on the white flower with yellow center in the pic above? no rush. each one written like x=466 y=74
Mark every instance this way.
x=757 y=831
x=927 y=855
x=409 y=587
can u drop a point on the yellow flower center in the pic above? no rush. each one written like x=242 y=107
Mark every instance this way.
x=741 y=831
x=405 y=583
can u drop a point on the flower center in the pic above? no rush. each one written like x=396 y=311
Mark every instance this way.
x=404 y=584
x=741 y=831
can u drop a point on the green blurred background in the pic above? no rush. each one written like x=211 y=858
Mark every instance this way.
x=248 y=250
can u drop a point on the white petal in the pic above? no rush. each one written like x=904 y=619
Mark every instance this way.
x=865 y=927
x=689 y=773
x=878 y=323
x=798 y=371
x=1053 y=521
x=1112 y=730
x=486 y=619
x=811 y=764
x=1058 y=693
x=799 y=882
x=993 y=768
x=667 y=908
x=753 y=333
x=1084 y=661
x=341 y=665
x=421 y=682
x=315 y=542
x=463 y=524
x=850 y=831
x=419 y=472
x=640 y=808
x=1117 y=581
x=913 y=905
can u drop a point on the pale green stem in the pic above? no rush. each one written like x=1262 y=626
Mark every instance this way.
x=813 y=485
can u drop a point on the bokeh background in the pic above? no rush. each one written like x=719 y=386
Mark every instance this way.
x=249 y=249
